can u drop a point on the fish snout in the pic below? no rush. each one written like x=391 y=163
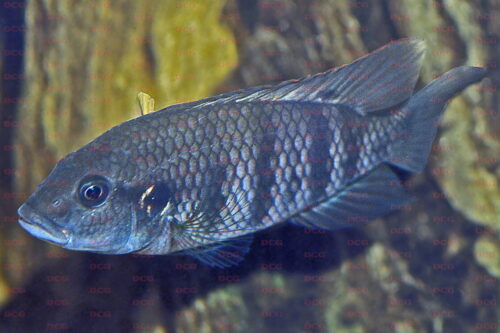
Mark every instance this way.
x=42 y=227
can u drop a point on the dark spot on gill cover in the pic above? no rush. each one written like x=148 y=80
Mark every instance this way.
x=150 y=198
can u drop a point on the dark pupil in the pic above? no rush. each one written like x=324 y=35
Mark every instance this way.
x=93 y=192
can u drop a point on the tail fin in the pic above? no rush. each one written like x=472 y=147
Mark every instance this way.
x=424 y=110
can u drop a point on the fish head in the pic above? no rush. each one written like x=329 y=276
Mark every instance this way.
x=83 y=205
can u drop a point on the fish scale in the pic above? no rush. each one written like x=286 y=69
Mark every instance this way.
x=325 y=151
x=222 y=153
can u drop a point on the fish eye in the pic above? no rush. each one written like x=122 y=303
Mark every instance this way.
x=93 y=191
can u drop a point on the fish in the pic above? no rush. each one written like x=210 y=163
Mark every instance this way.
x=327 y=151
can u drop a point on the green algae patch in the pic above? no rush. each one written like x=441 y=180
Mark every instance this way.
x=473 y=186
x=221 y=310
x=5 y=291
x=487 y=254
x=343 y=304
x=231 y=308
x=366 y=294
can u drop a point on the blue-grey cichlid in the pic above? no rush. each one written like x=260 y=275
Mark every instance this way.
x=325 y=151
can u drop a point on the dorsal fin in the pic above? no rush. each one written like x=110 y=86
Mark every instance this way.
x=374 y=82
x=377 y=81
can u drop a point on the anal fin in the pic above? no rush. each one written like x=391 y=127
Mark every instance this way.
x=372 y=196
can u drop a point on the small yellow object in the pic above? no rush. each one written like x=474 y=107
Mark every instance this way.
x=146 y=103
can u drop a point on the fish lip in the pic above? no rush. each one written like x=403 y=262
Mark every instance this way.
x=42 y=227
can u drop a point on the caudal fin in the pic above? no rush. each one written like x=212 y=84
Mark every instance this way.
x=424 y=110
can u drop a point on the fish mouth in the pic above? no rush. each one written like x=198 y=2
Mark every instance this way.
x=42 y=227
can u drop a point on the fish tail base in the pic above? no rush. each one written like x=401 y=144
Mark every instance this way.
x=424 y=111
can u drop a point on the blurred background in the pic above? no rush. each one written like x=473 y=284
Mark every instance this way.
x=72 y=69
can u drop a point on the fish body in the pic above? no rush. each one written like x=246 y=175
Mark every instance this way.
x=326 y=151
